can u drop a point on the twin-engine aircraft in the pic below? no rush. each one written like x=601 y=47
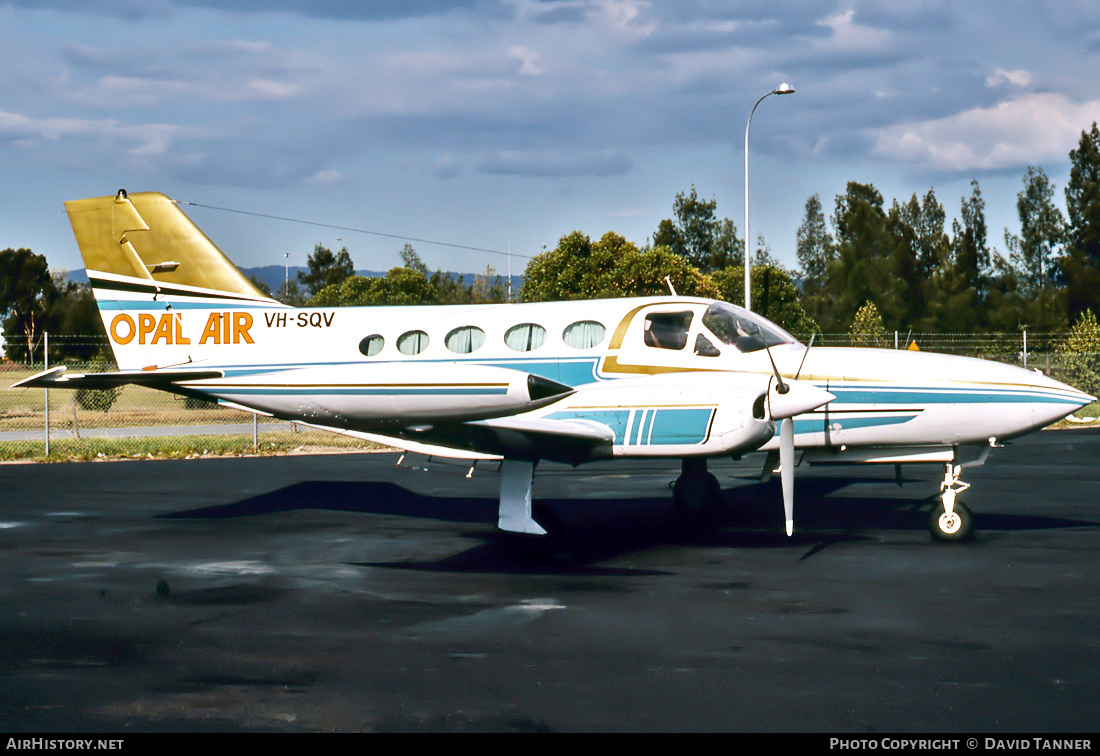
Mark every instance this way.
x=667 y=376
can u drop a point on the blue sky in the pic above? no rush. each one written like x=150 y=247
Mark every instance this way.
x=508 y=123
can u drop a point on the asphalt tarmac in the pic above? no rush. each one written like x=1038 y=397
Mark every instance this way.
x=345 y=593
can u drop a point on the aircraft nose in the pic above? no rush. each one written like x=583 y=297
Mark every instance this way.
x=1055 y=399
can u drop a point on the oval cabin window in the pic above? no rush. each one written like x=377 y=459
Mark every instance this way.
x=371 y=345
x=584 y=334
x=465 y=339
x=412 y=342
x=525 y=337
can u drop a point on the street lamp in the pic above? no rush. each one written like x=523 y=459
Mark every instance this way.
x=782 y=89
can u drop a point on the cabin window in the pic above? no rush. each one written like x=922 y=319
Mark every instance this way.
x=584 y=334
x=371 y=345
x=465 y=339
x=667 y=330
x=525 y=337
x=412 y=342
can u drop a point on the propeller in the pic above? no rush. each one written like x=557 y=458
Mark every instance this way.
x=790 y=398
x=786 y=462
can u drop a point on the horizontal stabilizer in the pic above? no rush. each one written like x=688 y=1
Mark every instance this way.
x=58 y=377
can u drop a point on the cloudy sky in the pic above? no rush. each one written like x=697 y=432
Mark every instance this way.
x=504 y=124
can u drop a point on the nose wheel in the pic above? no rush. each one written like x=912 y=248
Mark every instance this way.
x=951 y=520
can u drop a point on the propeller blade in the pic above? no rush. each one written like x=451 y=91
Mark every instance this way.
x=804 y=356
x=786 y=464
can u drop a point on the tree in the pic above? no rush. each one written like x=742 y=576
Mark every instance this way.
x=814 y=246
x=410 y=284
x=97 y=400
x=411 y=260
x=290 y=293
x=815 y=250
x=26 y=290
x=959 y=291
x=400 y=286
x=487 y=287
x=1034 y=253
x=1081 y=264
x=1081 y=360
x=970 y=250
x=920 y=246
x=867 y=329
x=860 y=271
x=73 y=314
x=697 y=235
x=611 y=267
x=260 y=285
x=326 y=269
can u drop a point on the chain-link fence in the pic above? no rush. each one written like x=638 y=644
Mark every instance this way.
x=133 y=421
x=1035 y=351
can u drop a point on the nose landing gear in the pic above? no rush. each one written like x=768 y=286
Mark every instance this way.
x=951 y=520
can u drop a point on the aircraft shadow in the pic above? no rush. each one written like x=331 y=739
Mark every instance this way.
x=587 y=531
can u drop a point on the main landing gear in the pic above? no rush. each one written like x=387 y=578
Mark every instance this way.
x=696 y=492
x=951 y=520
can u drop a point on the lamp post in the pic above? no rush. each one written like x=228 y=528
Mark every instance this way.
x=782 y=89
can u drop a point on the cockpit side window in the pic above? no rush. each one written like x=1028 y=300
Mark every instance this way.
x=667 y=330
x=704 y=348
x=742 y=329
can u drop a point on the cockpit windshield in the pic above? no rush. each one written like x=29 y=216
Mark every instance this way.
x=744 y=330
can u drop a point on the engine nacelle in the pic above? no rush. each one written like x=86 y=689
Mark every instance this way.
x=352 y=396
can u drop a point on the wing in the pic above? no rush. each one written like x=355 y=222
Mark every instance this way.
x=570 y=441
x=681 y=415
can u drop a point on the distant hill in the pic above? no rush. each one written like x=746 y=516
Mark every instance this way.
x=274 y=275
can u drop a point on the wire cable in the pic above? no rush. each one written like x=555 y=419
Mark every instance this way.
x=353 y=230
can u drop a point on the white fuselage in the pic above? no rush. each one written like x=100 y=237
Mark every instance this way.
x=369 y=369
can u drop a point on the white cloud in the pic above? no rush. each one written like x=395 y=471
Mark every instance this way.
x=266 y=89
x=1017 y=78
x=325 y=179
x=622 y=17
x=529 y=58
x=851 y=36
x=447 y=167
x=145 y=139
x=1023 y=131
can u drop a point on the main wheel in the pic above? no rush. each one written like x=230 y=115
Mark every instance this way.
x=693 y=494
x=954 y=527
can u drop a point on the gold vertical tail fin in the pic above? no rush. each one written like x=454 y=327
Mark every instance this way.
x=146 y=236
